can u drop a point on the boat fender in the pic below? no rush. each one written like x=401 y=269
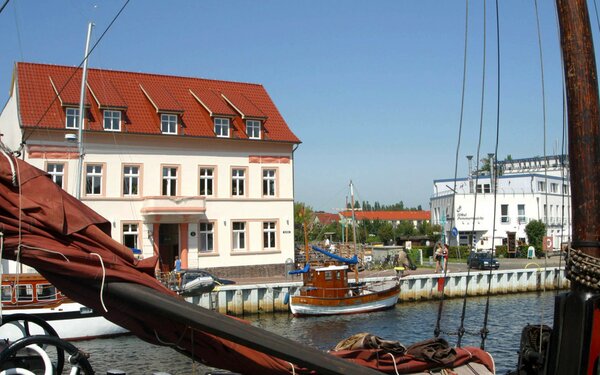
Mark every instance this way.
x=286 y=298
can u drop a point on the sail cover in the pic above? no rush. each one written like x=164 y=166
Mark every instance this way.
x=70 y=245
x=352 y=260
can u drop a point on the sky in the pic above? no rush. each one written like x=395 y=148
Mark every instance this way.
x=373 y=89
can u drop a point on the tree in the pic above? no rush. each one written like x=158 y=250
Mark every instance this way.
x=386 y=232
x=405 y=228
x=303 y=214
x=535 y=230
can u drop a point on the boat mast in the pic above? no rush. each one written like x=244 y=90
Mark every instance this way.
x=81 y=114
x=354 y=228
x=575 y=347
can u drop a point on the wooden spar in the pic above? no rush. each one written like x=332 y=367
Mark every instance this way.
x=354 y=230
x=575 y=340
x=305 y=235
x=584 y=123
x=178 y=310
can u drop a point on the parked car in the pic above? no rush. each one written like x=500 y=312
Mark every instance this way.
x=482 y=261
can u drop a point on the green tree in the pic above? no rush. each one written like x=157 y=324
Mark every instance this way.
x=535 y=230
x=405 y=228
x=386 y=233
x=303 y=214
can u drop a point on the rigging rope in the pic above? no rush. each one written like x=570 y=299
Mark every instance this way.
x=484 y=330
x=461 y=329
x=437 y=330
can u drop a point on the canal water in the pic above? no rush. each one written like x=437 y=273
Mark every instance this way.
x=407 y=323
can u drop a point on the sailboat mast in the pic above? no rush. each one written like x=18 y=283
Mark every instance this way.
x=583 y=120
x=81 y=113
x=354 y=228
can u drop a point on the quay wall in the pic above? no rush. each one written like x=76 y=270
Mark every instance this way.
x=250 y=299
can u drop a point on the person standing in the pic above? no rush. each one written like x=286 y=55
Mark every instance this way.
x=177 y=264
x=438 y=257
x=445 y=253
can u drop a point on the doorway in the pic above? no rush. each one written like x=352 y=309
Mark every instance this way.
x=168 y=245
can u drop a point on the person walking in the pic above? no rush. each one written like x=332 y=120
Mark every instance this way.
x=445 y=253
x=438 y=258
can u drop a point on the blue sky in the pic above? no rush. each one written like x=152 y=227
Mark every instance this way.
x=372 y=88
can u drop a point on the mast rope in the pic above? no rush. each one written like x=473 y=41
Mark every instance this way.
x=437 y=329
x=484 y=330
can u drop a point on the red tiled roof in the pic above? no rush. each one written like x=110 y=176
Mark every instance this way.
x=389 y=215
x=243 y=105
x=327 y=218
x=39 y=108
x=213 y=102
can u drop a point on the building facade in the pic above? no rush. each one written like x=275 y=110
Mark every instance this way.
x=195 y=168
x=493 y=208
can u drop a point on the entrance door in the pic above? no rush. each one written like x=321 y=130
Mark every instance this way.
x=511 y=243
x=168 y=245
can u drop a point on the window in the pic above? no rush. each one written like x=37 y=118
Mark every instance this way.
x=57 y=173
x=131 y=178
x=130 y=235
x=6 y=293
x=222 y=127
x=541 y=186
x=269 y=235
x=168 y=123
x=565 y=189
x=169 y=181
x=238 y=178
x=45 y=292
x=206 y=237
x=25 y=292
x=206 y=181
x=239 y=235
x=112 y=120
x=554 y=188
x=269 y=182
x=72 y=118
x=93 y=179
x=504 y=219
x=521 y=214
x=483 y=188
x=253 y=129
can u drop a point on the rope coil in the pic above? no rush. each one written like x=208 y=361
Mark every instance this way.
x=584 y=270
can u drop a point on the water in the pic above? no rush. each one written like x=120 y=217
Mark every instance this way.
x=407 y=323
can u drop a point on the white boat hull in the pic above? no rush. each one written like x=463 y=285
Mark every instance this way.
x=312 y=309
x=70 y=320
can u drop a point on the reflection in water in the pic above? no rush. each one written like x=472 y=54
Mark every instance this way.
x=407 y=323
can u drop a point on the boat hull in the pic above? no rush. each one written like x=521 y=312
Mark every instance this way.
x=311 y=305
x=71 y=321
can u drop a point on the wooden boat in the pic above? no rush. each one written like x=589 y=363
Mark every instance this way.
x=31 y=293
x=327 y=291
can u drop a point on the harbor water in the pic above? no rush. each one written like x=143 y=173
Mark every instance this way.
x=407 y=323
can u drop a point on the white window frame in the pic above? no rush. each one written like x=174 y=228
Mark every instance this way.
x=253 y=129
x=206 y=237
x=553 y=187
x=269 y=235
x=207 y=177
x=222 y=125
x=504 y=218
x=112 y=118
x=169 y=181
x=269 y=182
x=521 y=218
x=131 y=230
x=93 y=179
x=56 y=174
x=541 y=185
x=168 y=123
x=238 y=235
x=72 y=118
x=131 y=179
x=238 y=182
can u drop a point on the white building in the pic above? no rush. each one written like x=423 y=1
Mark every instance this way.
x=490 y=212
x=195 y=168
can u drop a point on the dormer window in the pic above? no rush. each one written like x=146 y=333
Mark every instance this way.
x=72 y=118
x=253 y=129
x=168 y=123
x=222 y=127
x=112 y=120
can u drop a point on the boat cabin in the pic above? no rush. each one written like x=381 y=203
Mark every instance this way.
x=28 y=289
x=329 y=282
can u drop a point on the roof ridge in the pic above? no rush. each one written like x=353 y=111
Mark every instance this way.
x=143 y=73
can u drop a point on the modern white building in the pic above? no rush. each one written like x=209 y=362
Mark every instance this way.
x=492 y=208
x=196 y=168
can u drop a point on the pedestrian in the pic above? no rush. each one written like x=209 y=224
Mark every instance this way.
x=445 y=253
x=438 y=257
x=177 y=264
